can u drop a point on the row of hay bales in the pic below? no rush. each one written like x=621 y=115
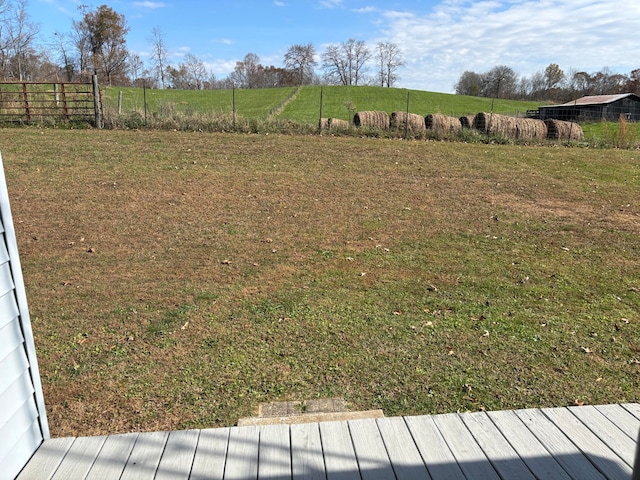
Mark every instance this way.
x=489 y=123
x=526 y=128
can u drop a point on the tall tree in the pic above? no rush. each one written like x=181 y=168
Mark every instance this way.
x=553 y=76
x=21 y=33
x=159 y=54
x=389 y=59
x=346 y=63
x=469 y=83
x=247 y=72
x=104 y=32
x=301 y=60
x=500 y=82
x=63 y=49
x=135 y=67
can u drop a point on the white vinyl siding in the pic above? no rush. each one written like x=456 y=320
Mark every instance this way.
x=23 y=425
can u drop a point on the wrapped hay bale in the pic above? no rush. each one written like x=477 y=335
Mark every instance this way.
x=530 y=128
x=466 y=121
x=442 y=123
x=337 y=123
x=561 y=130
x=412 y=121
x=372 y=119
x=492 y=123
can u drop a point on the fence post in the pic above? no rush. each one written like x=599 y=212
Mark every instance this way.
x=320 y=119
x=406 y=119
x=96 y=101
x=233 y=106
x=26 y=102
x=120 y=102
x=144 y=99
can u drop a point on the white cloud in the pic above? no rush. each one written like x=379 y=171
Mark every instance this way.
x=148 y=4
x=331 y=3
x=279 y=4
x=368 y=9
x=527 y=35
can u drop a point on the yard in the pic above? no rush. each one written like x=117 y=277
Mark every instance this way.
x=176 y=280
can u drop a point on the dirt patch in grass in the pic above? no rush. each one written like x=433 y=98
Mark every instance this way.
x=180 y=279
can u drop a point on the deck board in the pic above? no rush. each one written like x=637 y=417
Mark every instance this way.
x=465 y=449
x=593 y=442
x=211 y=454
x=307 y=460
x=503 y=457
x=527 y=447
x=275 y=452
x=339 y=456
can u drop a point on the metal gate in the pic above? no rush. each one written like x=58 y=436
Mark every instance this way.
x=32 y=102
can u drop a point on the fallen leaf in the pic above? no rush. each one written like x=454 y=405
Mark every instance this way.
x=586 y=350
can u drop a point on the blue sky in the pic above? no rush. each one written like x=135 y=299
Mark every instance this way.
x=439 y=39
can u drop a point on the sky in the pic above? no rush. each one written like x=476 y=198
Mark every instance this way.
x=439 y=40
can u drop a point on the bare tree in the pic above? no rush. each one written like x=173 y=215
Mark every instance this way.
x=21 y=34
x=500 y=82
x=159 y=54
x=135 y=67
x=389 y=59
x=247 y=72
x=196 y=72
x=346 y=63
x=63 y=48
x=301 y=59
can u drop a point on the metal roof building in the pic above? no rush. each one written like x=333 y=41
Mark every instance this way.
x=595 y=107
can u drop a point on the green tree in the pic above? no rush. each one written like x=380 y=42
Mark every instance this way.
x=553 y=76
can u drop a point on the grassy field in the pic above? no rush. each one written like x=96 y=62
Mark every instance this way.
x=304 y=106
x=177 y=279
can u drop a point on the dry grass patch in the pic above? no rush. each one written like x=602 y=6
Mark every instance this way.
x=178 y=279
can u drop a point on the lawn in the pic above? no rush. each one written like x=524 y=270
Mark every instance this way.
x=176 y=280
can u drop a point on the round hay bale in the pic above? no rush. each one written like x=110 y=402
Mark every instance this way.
x=492 y=123
x=561 y=130
x=337 y=123
x=442 y=123
x=467 y=121
x=372 y=120
x=530 y=128
x=412 y=121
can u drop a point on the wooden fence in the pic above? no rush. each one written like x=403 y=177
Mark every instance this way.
x=31 y=102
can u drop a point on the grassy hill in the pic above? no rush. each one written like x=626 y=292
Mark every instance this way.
x=303 y=105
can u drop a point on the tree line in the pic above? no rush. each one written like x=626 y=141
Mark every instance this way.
x=550 y=84
x=96 y=45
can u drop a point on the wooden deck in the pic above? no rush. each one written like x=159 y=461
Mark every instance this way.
x=591 y=442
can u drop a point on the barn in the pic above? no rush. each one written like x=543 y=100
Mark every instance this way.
x=595 y=107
